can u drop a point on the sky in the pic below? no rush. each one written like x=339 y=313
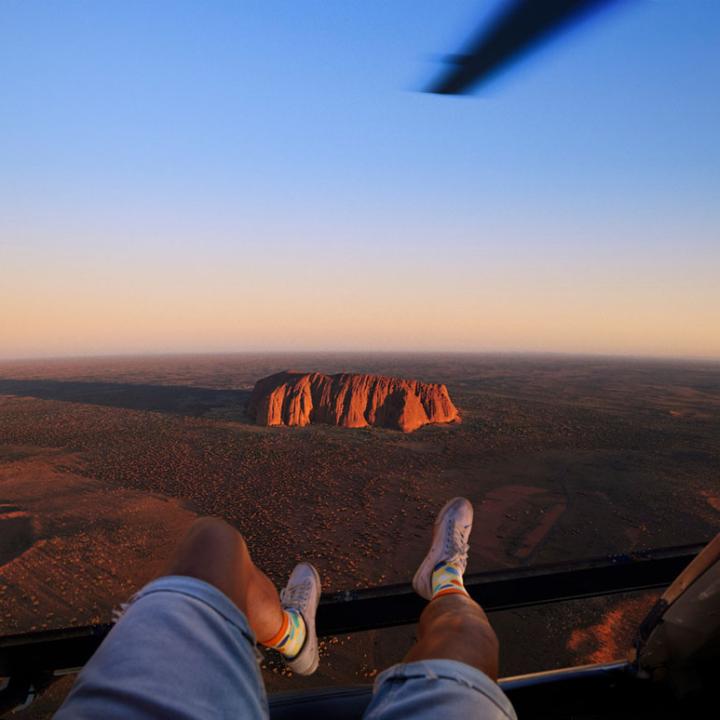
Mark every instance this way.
x=235 y=175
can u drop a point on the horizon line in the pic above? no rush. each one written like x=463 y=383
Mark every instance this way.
x=712 y=359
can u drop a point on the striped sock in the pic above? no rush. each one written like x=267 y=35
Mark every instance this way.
x=290 y=638
x=447 y=579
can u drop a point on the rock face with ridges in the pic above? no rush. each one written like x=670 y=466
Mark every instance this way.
x=349 y=400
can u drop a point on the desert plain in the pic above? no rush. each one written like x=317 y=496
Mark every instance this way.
x=105 y=462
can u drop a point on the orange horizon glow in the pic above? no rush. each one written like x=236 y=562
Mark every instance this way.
x=429 y=304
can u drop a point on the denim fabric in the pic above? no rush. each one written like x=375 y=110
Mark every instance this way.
x=183 y=650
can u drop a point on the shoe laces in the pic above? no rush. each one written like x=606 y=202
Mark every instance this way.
x=456 y=545
x=296 y=595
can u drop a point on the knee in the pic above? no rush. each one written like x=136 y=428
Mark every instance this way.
x=213 y=551
x=210 y=522
x=209 y=537
x=214 y=529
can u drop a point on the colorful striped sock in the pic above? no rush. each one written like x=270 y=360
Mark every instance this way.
x=290 y=638
x=447 y=579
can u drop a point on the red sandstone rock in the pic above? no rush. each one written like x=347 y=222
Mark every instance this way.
x=292 y=398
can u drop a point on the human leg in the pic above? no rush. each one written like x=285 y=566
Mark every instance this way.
x=185 y=645
x=452 y=626
x=213 y=551
x=455 y=627
x=451 y=670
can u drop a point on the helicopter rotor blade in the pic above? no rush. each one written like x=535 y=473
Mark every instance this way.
x=523 y=25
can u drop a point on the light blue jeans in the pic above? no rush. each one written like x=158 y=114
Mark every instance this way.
x=183 y=650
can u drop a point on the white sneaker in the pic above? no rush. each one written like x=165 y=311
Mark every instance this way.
x=302 y=593
x=449 y=544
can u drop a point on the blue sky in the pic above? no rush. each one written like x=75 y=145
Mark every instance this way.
x=203 y=155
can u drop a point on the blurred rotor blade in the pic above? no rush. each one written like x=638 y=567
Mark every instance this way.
x=522 y=26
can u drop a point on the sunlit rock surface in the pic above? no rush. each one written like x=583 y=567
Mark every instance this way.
x=349 y=400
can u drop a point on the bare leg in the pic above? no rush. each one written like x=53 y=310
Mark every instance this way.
x=455 y=627
x=215 y=552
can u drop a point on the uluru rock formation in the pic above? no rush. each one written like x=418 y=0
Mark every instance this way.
x=349 y=400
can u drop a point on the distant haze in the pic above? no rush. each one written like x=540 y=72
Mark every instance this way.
x=263 y=176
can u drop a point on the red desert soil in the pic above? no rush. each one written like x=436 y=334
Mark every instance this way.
x=563 y=459
x=350 y=400
x=519 y=514
x=612 y=637
x=71 y=548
